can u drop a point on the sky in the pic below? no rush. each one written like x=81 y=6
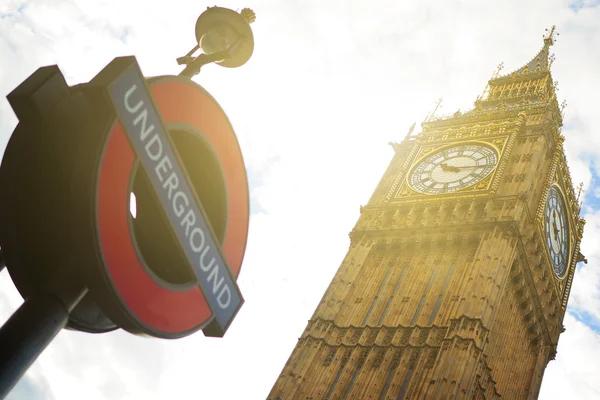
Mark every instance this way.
x=329 y=85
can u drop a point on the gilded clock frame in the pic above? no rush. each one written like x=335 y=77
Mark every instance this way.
x=500 y=144
x=570 y=232
x=424 y=159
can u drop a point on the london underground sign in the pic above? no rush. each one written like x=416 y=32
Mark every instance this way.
x=67 y=177
x=211 y=299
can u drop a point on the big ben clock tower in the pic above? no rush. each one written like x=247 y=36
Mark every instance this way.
x=460 y=266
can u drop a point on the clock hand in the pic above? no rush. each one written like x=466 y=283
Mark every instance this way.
x=557 y=224
x=448 y=168
x=555 y=230
x=452 y=168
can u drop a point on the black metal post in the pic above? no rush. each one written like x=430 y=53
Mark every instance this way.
x=29 y=330
x=193 y=67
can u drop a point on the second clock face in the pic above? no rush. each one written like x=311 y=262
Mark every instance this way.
x=453 y=168
x=557 y=231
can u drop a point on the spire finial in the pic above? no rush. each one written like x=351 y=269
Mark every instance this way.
x=550 y=37
x=497 y=72
x=411 y=129
x=438 y=103
x=580 y=190
x=551 y=60
x=562 y=108
x=431 y=115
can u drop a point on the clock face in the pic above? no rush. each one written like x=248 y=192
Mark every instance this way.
x=557 y=231
x=453 y=168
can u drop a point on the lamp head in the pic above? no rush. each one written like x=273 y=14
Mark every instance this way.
x=219 y=29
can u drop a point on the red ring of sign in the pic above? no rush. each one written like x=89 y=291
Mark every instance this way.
x=153 y=306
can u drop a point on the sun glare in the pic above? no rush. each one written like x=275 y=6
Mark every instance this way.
x=132 y=205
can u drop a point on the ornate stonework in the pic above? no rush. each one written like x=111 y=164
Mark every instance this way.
x=453 y=294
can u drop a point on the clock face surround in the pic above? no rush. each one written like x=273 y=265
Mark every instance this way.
x=557 y=231
x=453 y=168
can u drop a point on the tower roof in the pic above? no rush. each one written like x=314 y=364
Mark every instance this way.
x=543 y=60
x=500 y=99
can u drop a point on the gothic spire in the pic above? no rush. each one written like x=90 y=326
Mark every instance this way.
x=543 y=60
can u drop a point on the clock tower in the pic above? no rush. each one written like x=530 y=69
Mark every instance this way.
x=460 y=266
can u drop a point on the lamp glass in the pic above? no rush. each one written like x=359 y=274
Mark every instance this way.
x=218 y=39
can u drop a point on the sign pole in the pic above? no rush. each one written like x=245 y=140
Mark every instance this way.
x=29 y=331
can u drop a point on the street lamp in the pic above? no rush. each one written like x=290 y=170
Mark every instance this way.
x=224 y=36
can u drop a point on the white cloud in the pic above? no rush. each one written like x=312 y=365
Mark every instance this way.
x=329 y=85
x=574 y=373
x=585 y=295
